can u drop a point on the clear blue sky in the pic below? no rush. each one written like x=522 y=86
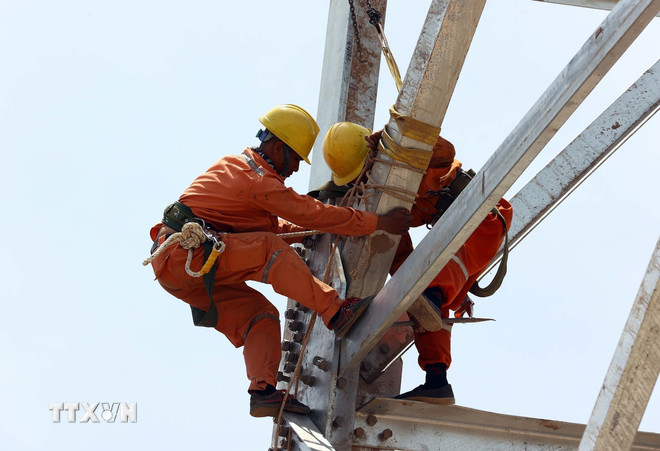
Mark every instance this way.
x=108 y=110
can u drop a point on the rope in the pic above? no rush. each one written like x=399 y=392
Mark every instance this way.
x=299 y=234
x=296 y=374
x=359 y=191
x=308 y=333
x=394 y=191
x=191 y=237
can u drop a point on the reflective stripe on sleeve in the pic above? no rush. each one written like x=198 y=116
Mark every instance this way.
x=255 y=167
x=462 y=266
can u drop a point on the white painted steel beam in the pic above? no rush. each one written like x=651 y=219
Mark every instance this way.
x=335 y=72
x=427 y=89
x=422 y=426
x=604 y=136
x=594 y=4
x=307 y=437
x=633 y=372
x=574 y=83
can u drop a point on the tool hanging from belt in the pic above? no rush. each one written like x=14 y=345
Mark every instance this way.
x=191 y=235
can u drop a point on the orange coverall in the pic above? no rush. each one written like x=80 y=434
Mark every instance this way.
x=475 y=254
x=243 y=195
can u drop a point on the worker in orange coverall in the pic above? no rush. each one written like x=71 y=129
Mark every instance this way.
x=240 y=199
x=345 y=148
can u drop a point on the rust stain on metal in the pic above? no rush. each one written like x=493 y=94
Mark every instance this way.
x=381 y=244
x=616 y=125
x=549 y=424
x=615 y=421
x=362 y=90
x=598 y=32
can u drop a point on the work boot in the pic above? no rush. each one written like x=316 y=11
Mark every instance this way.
x=348 y=313
x=435 y=390
x=269 y=405
x=441 y=395
x=435 y=296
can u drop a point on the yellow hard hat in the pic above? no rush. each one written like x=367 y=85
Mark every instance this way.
x=294 y=126
x=344 y=150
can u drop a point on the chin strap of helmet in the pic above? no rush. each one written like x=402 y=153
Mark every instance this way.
x=287 y=161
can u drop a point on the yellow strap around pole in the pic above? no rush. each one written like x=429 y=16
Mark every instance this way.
x=414 y=128
x=416 y=158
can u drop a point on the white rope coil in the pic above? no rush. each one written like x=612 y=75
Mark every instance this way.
x=191 y=237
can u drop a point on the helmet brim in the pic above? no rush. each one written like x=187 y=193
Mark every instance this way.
x=341 y=181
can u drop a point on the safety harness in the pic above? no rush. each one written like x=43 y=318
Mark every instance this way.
x=181 y=218
x=446 y=197
x=193 y=232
